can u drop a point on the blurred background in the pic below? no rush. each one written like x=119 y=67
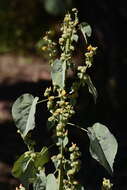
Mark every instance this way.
x=24 y=69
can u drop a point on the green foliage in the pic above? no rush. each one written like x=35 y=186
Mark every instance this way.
x=91 y=87
x=51 y=182
x=58 y=69
x=86 y=30
x=41 y=157
x=40 y=182
x=103 y=145
x=26 y=167
x=23 y=112
x=61 y=101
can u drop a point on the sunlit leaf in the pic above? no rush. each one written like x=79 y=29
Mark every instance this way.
x=40 y=183
x=51 y=183
x=24 y=170
x=86 y=30
x=41 y=157
x=65 y=141
x=23 y=112
x=103 y=145
x=75 y=37
x=58 y=71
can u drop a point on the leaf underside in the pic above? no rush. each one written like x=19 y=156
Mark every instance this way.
x=51 y=183
x=103 y=146
x=58 y=70
x=23 y=112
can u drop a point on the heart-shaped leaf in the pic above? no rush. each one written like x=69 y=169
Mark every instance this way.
x=103 y=145
x=24 y=170
x=23 y=112
x=58 y=71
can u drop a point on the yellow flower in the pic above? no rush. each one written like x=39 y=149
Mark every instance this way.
x=44 y=48
x=91 y=48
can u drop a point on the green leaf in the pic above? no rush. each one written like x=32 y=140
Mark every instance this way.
x=51 y=124
x=41 y=157
x=65 y=141
x=75 y=37
x=24 y=170
x=86 y=30
x=91 y=87
x=40 y=183
x=103 y=145
x=58 y=71
x=23 y=112
x=51 y=183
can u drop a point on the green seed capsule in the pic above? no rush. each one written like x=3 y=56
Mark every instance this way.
x=59 y=134
x=71 y=172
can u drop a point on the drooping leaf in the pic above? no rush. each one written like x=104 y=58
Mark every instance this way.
x=41 y=157
x=51 y=183
x=23 y=112
x=103 y=145
x=91 y=87
x=86 y=30
x=58 y=71
x=24 y=170
x=40 y=183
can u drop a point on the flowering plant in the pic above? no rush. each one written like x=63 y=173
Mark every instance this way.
x=61 y=102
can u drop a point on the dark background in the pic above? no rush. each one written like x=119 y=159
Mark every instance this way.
x=22 y=23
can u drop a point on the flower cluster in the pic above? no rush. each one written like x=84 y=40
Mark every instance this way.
x=68 y=35
x=106 y=184
x=61 y=111
x=75 y=163
x=74 y=157
x=91 y=51
x=49 y=46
